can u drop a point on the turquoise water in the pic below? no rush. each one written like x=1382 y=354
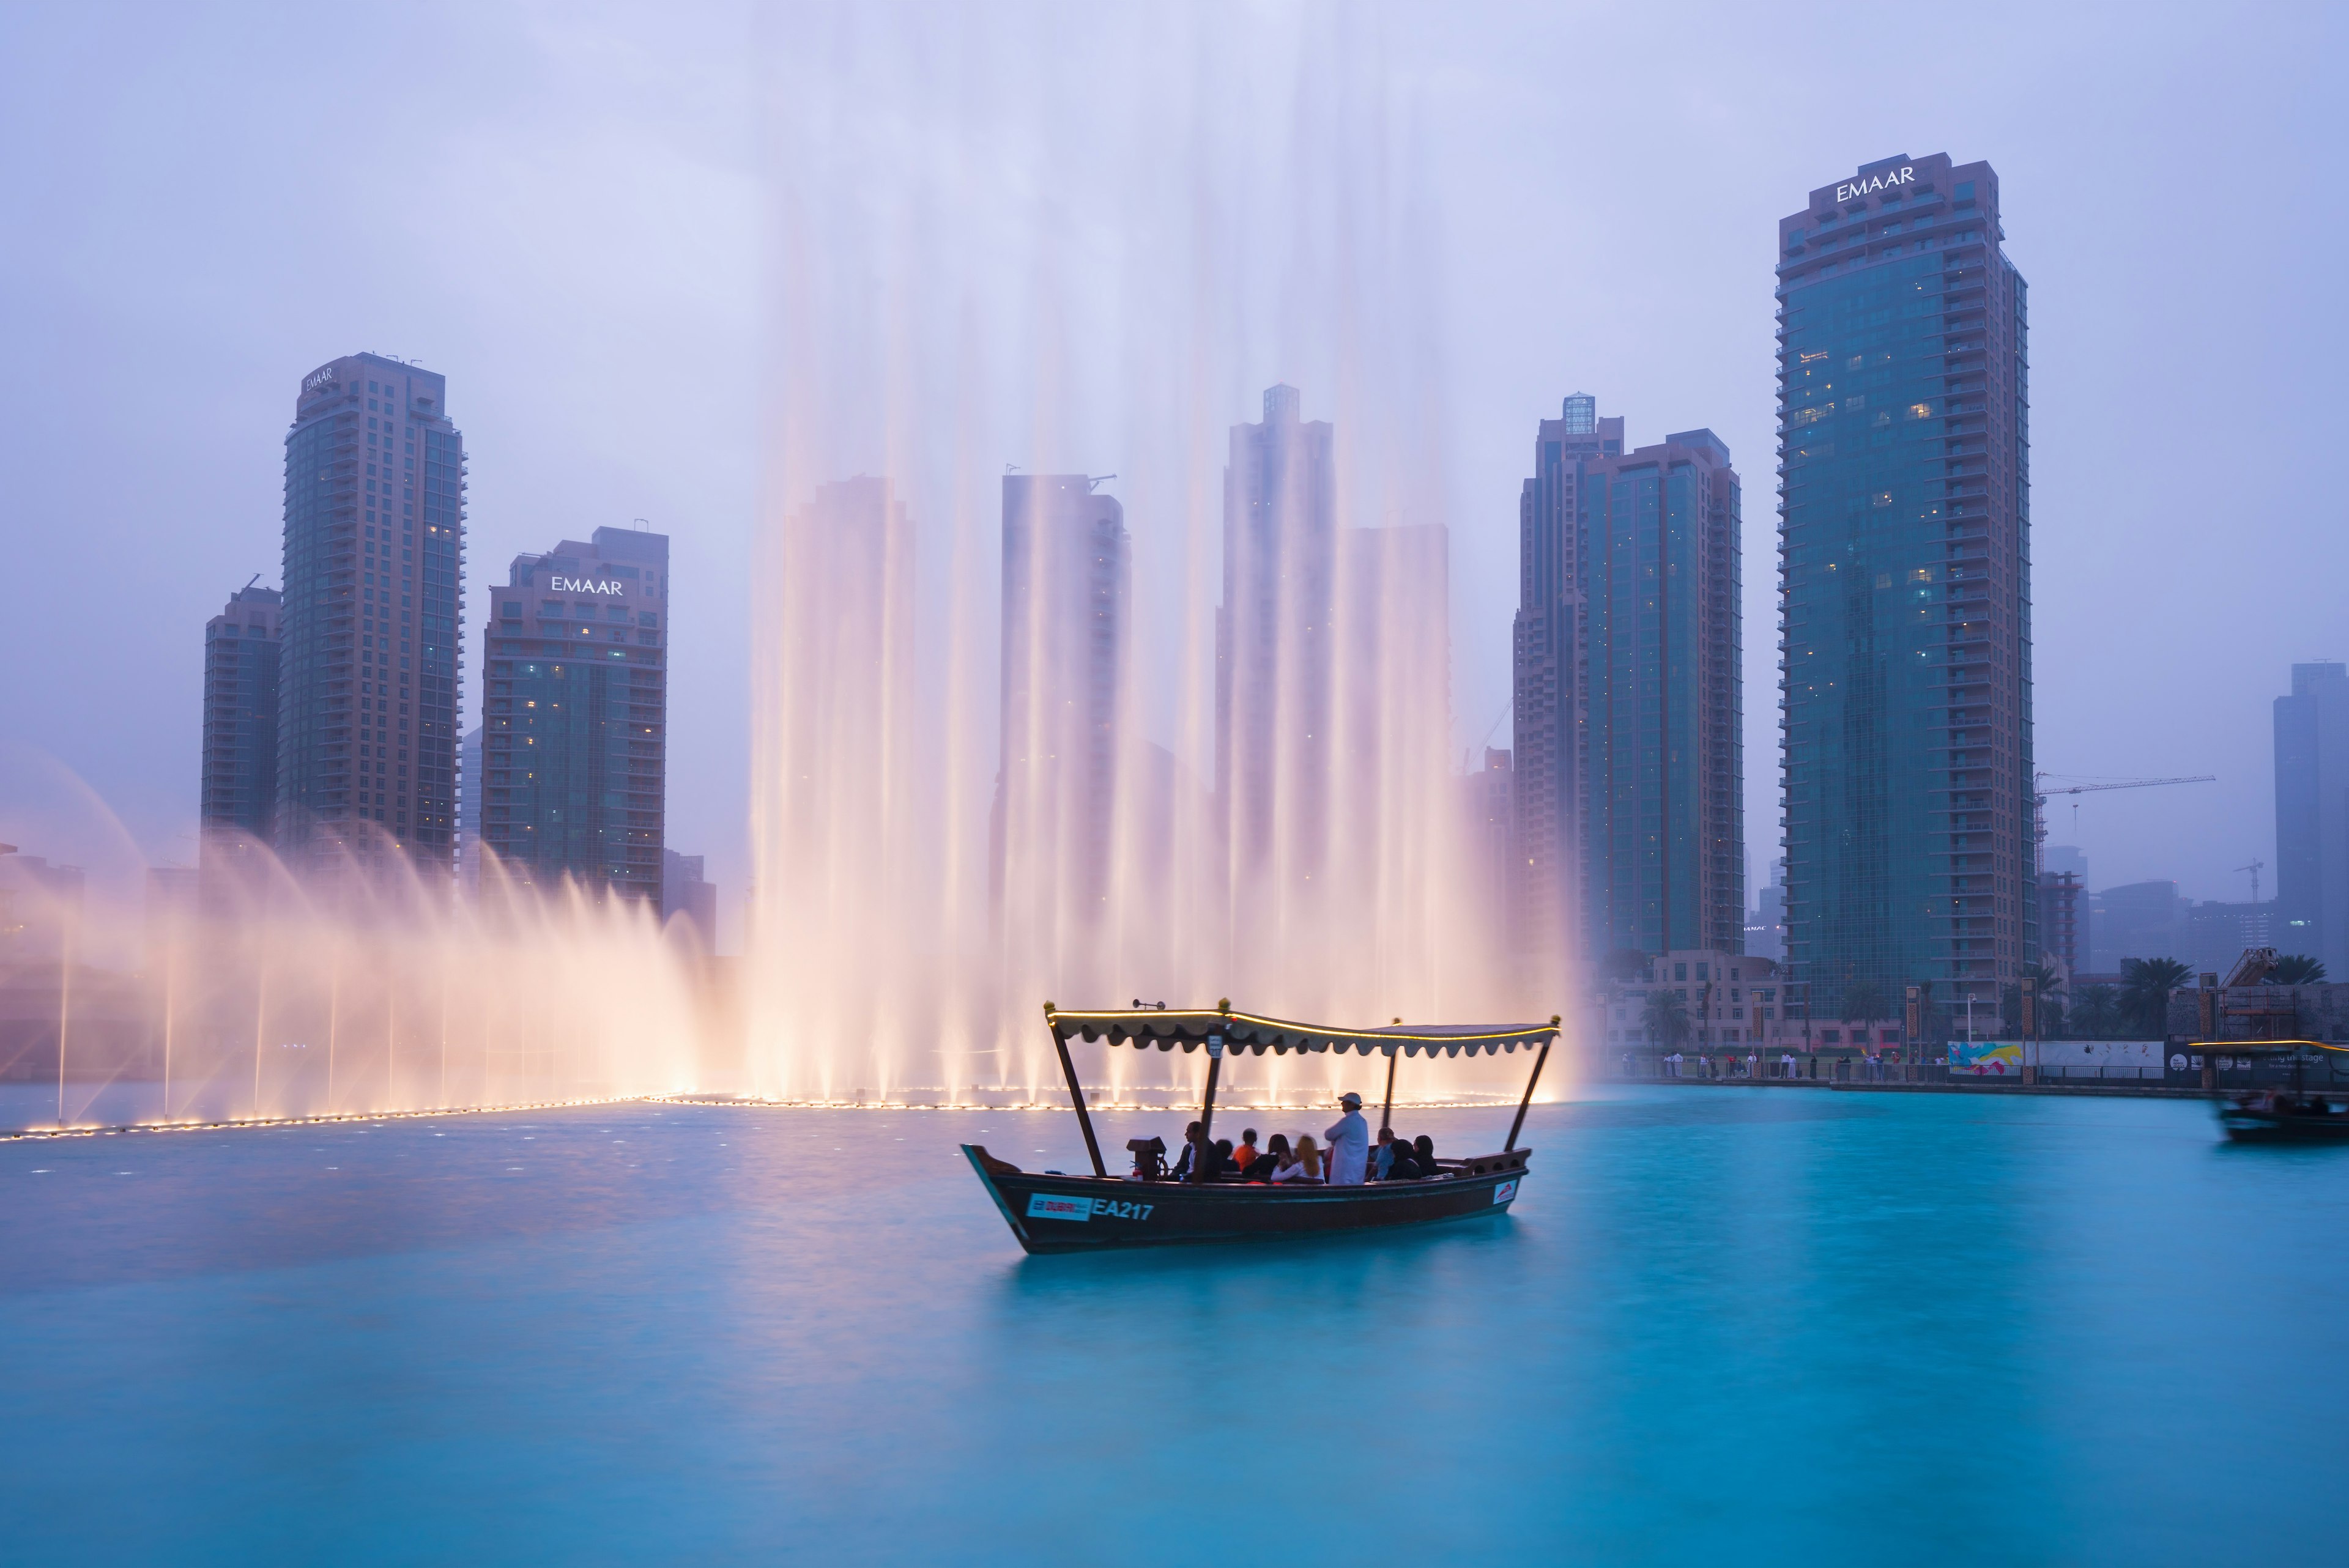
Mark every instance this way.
x=1721 y=1326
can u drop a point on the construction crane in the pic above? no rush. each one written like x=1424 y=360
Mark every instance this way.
x=2040 y=791
x=2255 y=868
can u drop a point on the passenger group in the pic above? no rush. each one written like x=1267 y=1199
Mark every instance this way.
x=1345 y=1156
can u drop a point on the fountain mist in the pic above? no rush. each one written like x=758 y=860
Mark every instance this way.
x=1023 y=733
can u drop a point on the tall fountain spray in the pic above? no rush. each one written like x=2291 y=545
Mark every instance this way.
x=361 y=989
x=1026 y=733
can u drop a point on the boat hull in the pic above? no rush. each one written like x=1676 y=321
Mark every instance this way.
x=1050 y=1214
x=2274 y=1127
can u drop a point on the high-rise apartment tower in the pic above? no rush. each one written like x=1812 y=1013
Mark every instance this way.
x=375 y=558
x=1905 y=586
x=575 y=717
x=1627 y=693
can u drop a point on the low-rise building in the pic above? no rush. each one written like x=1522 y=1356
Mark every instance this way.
x=1726 y=1000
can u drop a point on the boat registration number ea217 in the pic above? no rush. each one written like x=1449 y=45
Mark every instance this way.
x=1504 y=1191
x=1050 y=1206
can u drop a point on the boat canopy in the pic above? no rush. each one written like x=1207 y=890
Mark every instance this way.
x=1247 y=1033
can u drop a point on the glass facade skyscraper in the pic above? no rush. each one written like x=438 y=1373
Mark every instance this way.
x=375 y=559
x=575 y=720
x=1905 y=588
x=239 y=796
x=1664 y=836
x=1628 y=698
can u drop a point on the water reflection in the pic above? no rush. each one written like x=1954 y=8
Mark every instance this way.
x=1717 y=1326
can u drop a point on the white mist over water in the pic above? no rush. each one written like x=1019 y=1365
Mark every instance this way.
x=1047 y=243
x=361 y=989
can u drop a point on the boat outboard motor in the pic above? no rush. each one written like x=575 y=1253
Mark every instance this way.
x=1149 y=1158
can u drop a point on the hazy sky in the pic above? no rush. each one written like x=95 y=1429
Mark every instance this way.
x=568 y=210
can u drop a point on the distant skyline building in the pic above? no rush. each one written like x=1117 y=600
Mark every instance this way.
x=1489 y=797
x=575 y=718
x=2066 y=915
x=1905 y=585
x=469 y=811
x=238 y=795
x=1068 y=593
x=686 y=892
x=1766 y=933
x=1628 y=692
x=2137 y=920
x=2311 y=816
x=1274 y=654
x=375 y=554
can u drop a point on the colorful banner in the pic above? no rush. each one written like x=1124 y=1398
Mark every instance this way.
x=1986 y=1058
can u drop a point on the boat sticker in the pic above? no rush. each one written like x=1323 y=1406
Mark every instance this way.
x=1046 y=1206
x=1504 y=1191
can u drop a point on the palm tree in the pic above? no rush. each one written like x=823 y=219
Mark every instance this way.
x=2145 y=985
x=2298 y=969
x=2095 y=1014
x=2047 y=986
x=1666 y=1017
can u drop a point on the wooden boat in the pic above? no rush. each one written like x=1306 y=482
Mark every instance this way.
x=2297 y=1115
x=1059 y=1213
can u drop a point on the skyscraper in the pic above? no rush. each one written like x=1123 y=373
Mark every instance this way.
x=375 y=555
x=1628 y=695
x=1547 y=680
x=239 y=795
x=1664 y=836
x=1273 y=638
x=2311 y=810
x=575 y=720
x=1068 y=585
x=1905 y=586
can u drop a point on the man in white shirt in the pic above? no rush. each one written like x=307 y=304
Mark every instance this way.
x=1350 y=1143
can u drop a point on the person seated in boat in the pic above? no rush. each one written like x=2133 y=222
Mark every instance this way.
x=1212 y=1159
x=1195 y=1141
x=1304 y=1164
x=1350 y=1143
x=1246 y=1154
x=1422 y=1150
x=1276 y=1155
x=1382 y=1154
x=1403 y=1164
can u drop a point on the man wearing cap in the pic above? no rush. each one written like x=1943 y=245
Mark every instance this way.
x=1350 y=1143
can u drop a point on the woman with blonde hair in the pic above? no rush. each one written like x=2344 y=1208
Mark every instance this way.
x=1305 y=1164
